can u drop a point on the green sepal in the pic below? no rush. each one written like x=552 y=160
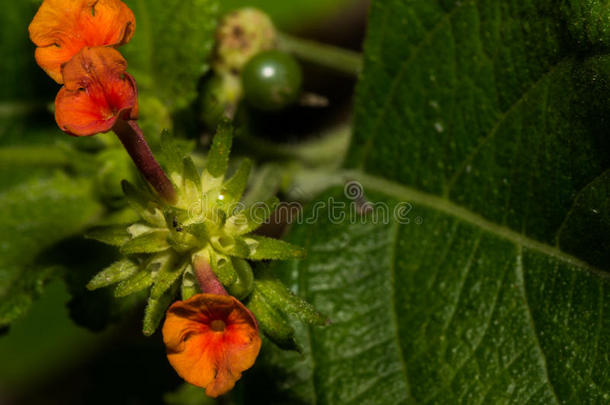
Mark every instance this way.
x=243 y=285
x=218 y=157
x=156 y=307
x=233 y=188
x=199 y=231
x=263 y=248
x=189 y=285
x=115 y=235
x=251 y=218
x=168 y=273
x=150 y=242
x=191 y=180
x=222 y=267
x=116 y=272
x=273 y=324
x=230 y=246
x=282 y=299
x=139 y=281
x=144 y=203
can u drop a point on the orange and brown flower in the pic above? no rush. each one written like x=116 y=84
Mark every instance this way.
x=61 y=28
x=210 y=340
x=97 y=91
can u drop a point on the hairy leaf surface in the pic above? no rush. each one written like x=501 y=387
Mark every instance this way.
x=490 y=119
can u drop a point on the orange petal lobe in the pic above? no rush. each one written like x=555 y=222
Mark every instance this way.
x=210 y=340
x=96 y=93
x=61 y=28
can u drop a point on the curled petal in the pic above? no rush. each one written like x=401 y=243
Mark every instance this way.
x=61 y=28
x=96 y=93
x=211 y=339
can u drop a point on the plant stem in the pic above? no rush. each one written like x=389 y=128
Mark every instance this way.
x=133 y=140
x=342 y=60
x=207 y=279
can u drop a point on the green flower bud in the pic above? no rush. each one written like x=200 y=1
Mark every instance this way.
x=241 y=35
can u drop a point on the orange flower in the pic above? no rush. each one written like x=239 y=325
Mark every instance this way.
x=61 y=28
x=210 y=340
x=96 y=93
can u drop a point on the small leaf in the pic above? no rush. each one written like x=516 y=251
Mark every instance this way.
x=169 y=272
x=273 y=324
x=117 y=271
x=218 y=157
x=191 y=180
x=151 y=242
x=141 y=280
x=262 y=248
x=115 y=235
x=252 y=217
x=284 y=300
x=233 y=188
x=156 y=307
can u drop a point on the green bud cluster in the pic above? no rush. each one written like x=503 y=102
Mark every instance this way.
x=207 y=222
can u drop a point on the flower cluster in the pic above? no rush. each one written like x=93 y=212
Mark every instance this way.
x=76 y=41
x=194 y=238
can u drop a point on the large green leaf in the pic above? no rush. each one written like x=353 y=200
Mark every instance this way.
x=490 y=119
x=171 y=46
x=34 y=216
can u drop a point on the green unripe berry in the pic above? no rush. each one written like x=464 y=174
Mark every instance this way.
x=272 y=81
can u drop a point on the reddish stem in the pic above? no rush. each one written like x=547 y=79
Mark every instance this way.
x=133 y=140
x=207 y=279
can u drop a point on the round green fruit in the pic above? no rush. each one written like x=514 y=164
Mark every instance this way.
x=272 y=81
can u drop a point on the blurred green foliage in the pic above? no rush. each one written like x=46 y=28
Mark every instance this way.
x=292 y=15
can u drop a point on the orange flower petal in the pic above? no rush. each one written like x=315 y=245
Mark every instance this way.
x=61 y=28
x=210 y=340
x=96 y=93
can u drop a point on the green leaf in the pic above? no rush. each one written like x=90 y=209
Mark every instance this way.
x=218 y=157
x=263 y=248
x=33 y=217
x=171 y=47
x=282 y=299
x=138 y=282
x=150 y=242
x=115 y=235
x=252 y=217
x=168 y=274
x=274 y=324
x=156 y=307
x=191 y=179
x=233 y=188
x=117 y=271
x=481 y=131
